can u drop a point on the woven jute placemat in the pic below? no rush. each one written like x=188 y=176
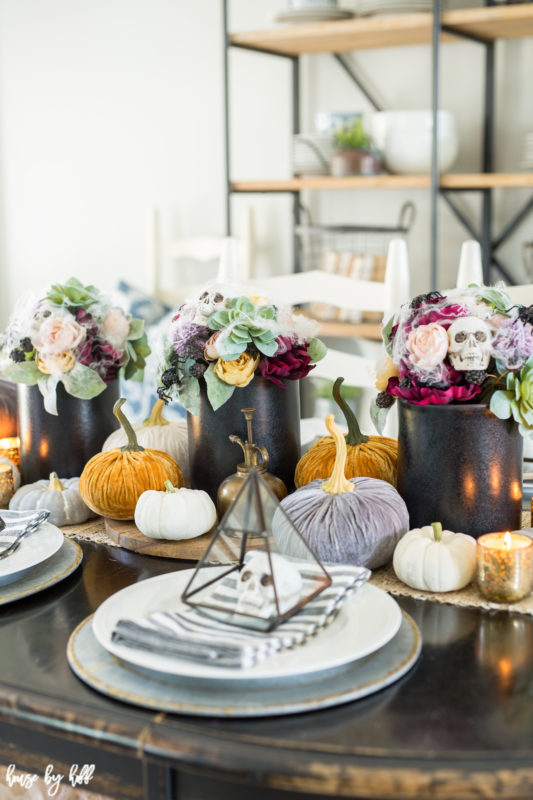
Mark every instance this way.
x=384 y=578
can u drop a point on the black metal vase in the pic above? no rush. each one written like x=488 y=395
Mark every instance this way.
x=459 y=465
x=62 y=443
x=276 y=426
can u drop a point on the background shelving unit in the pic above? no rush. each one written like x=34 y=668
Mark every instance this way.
x=480 y=25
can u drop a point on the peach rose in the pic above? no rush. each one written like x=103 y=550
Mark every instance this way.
x=210 y=350
x=428 y=345
x=116 y=326
x=57 y=335
x=52 y=364
x=239 y=372
x=385 y=370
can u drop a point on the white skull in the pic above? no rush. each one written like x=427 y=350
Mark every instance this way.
x=209 y=301
x=470 y=342
x=255 y=585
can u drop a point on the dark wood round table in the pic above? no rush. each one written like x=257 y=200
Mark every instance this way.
x=458 y=726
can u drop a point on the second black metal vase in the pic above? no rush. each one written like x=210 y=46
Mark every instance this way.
x=459 y=465
x=62 y=443
x=212 y=457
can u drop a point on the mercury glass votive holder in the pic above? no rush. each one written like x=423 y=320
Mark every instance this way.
x=504 y=566
x=7 y=487
x=10 y=448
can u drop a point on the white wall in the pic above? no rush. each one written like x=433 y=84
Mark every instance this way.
x=110 y=106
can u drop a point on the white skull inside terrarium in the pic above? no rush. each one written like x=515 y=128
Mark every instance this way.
x=470 y=344
x=209 y=301
x=255 y=587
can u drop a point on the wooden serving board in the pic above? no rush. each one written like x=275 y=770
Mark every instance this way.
x=127 y=535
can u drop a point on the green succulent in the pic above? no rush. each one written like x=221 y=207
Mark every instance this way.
x=352 y=137
x=516 y=399
x=72 y=293
x=244 y=323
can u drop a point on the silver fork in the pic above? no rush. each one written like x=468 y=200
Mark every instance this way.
x=15 y=544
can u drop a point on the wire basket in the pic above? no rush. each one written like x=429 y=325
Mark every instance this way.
x=353 y=251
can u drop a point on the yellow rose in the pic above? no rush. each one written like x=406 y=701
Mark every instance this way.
x=386 y=369
x=50 y=364
x=239 y=372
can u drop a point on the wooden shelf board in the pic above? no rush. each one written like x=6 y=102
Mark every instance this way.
x=449 y=181
x=360 y=330
x=389 y=31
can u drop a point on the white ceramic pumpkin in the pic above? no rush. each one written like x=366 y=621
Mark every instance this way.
x=175 y=513
x=157 y=433
x=16 y=471
x=60 y=497
x=435 y=560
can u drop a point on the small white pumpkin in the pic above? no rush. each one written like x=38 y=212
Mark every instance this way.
x=174 y=513
x=157 y=433
x=16 y=472
x=60 y=497
x=435 y=560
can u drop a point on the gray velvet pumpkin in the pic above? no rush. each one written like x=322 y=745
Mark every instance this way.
x=357 y=521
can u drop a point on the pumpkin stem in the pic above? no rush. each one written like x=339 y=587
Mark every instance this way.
x=437 y=531
x=354 y=437
x=338 y=483
x=133 y=445
x=156 y=415
x=55 y=484
x=169 y=487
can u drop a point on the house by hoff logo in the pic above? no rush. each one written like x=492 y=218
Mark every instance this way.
x=79 y=775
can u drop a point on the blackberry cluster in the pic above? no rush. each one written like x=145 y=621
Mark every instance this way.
x=384 y=400
x=431 y=297
x=476 y=376
x=18 y=354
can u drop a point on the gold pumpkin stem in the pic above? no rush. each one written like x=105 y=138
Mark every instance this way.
x=338 y=483
x=133 y=445
x=156 y=415
x=55 y=484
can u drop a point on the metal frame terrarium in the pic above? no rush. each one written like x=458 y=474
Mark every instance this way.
x=243 y=579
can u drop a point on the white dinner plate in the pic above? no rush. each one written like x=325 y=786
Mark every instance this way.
x=35 y=549
x=366 y=621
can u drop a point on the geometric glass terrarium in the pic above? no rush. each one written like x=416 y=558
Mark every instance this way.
x=242 y=578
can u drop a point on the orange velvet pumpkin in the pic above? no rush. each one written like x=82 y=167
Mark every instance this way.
x=367 y=456
x=112 y=482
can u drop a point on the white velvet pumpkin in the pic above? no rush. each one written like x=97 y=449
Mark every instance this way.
x=175 y=513
x=16 y=471
x=434 y=560
x=60 y=497
x=157 y=433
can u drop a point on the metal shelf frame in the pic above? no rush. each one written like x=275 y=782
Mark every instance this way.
x=484 y=233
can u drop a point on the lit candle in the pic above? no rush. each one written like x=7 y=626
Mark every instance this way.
x=7 y=489
x=505 y=566
x=10 y=448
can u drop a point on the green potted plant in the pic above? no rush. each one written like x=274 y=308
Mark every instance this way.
x=354 y=153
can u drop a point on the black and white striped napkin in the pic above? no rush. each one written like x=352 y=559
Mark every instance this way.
x=191 y=635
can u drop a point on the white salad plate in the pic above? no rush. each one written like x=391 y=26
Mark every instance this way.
x=366 y=621
x=34 y=550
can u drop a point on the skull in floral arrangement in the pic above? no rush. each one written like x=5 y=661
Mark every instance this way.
x=470 y=344
x=209 y=301
x=255 y=587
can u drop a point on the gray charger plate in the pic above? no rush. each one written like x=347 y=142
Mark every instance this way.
x=56 y=569
x=212 y=698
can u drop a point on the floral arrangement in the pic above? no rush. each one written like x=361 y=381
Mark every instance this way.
x=227 y=341
x=75 y=336
x=465 y=346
